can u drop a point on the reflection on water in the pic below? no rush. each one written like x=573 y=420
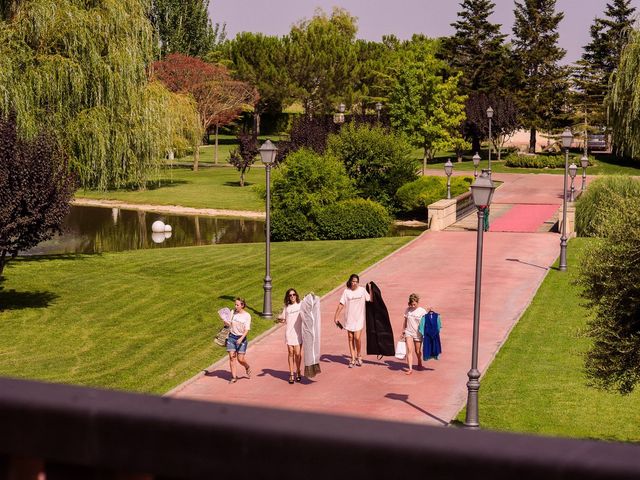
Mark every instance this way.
x=97 y=229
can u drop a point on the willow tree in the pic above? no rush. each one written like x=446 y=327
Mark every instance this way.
x=624 y=100
x=81 y=69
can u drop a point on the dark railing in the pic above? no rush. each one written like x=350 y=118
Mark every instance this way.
x=62 y=432
x=464 y=205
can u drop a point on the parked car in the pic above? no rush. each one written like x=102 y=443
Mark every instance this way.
x=597 y=141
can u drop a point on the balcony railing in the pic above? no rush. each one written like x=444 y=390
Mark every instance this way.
x=51 y=432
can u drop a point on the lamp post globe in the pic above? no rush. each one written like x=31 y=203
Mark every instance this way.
x=573 y=169
x=490 y=116
x=567 y=138
x=584 y=163
x=482 y=192
x=378 y=110
x=268 y=153
x=476 y=162
x=338 y=118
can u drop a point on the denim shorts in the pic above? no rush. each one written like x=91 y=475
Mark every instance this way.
x=232 y=344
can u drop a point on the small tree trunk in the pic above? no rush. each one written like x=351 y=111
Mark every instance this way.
x=215 y=150
x=256 y=123
x=242 y=178
x=424 y=162
x=196 y=158
x=2 y=261
x=532 y=140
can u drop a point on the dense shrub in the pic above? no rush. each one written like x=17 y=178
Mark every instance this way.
x=379 y=161
x=610 y=277
x=356 y=218
x=604 y=195
x=520 y=160
x=302 y=185
x=306 y=132
x=414 y=197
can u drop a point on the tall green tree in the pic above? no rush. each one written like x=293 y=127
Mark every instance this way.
x=321 y=59
x=184 y=26
x=542 y=85
x=600 y=58
x=260 y=60
x=427 y=106
x=477 y=48
x=624 y=100
x=81 y=69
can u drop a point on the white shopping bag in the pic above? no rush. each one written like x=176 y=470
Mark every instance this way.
x=401 y=349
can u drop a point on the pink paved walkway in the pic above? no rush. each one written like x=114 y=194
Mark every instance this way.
x=440 y=267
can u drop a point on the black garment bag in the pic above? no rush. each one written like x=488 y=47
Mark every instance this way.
x=380 y=339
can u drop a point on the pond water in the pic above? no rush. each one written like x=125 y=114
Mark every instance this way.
x=99 y=229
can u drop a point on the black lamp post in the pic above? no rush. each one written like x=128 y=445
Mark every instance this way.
x=476 y=162
x=567 y=138
x=482 y=192
x=268 y=155
x=573 y=169
x=448 y=169
x=490 y=116
x=378 y=110
x=584 y=163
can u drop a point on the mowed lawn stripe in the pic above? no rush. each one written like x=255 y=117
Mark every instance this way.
x=144 y=320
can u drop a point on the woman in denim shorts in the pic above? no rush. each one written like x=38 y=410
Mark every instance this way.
x=237 y=342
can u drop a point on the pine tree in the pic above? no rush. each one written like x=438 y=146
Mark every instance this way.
x=600 y=59
x=477 y=48
x=183 y=26
x=542 y=82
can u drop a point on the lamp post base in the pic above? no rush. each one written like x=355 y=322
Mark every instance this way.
x=266 y=304
x=471 y=420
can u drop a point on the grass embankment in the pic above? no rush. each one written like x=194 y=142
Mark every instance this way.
x=206 y=188
x=536 y=383
x=144 y=320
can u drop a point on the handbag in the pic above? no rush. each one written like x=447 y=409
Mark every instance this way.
x=401 y=349
x=221 y=336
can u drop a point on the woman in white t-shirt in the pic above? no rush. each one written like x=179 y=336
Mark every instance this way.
x=412 y=336
x=293 y=333
x=237 y=341
x=353 y=301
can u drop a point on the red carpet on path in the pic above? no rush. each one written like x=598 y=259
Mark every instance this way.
x=523 y=218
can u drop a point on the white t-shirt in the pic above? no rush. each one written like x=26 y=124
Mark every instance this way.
x=354 y=304
x=413 y=317
x=240 y=323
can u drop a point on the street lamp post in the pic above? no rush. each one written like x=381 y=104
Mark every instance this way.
x=378 y=110
x=481 y=191
x=448 y=169
x=584 y=163
x=573 y=169
x=476 y=162
x=268 y=155
x=567 y=137
x=490 y=116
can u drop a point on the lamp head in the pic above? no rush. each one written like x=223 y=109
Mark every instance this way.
x=584 y=161
x=448 y=168
x=489 y=112
x=567 y=138
x=378 y=106
x=573 y=169
x=341 y=107
x=482 y=190
x=476 y=160
x=268 y=152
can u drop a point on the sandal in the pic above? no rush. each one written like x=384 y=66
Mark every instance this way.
x=233 y=380
x=352 y=364
x=248 y=370
x=291 y=379
x=408 y=372
x=359 y=361
x=298 y=377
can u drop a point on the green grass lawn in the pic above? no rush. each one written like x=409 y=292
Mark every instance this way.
x=536 y=383
x=144 y=320
x=217 y=187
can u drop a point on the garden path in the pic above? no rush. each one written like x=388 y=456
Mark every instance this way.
x=440 y=267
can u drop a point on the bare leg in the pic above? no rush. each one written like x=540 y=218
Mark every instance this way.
x=297 y=349
x=418 y=345
x=410 y=347
x=358 y=346
x=232 y=364
x=291 y=358
x=352 y=346
x=244 y=363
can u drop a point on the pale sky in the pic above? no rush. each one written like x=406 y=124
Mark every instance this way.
x=400 y=17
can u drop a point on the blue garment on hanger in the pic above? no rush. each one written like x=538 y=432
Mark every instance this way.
x=430 y=325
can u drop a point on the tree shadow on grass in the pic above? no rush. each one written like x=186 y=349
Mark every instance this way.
x=248 y=307
x=47 y=258
x=237 y=184
x=13 y=300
